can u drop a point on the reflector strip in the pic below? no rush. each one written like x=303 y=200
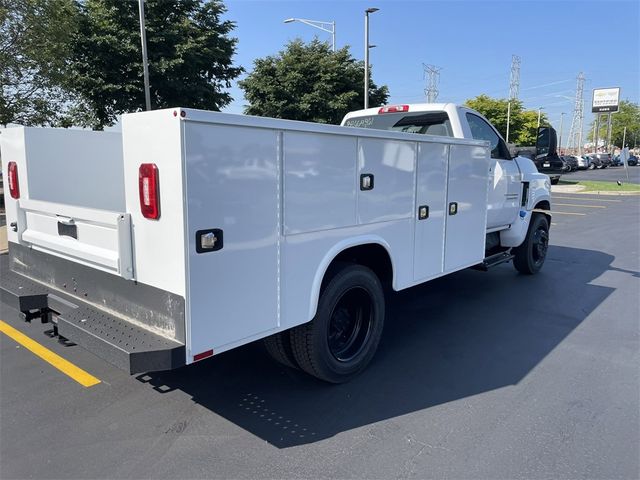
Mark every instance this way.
x=203 y=355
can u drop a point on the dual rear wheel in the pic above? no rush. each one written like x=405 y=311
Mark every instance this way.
x=344 y=335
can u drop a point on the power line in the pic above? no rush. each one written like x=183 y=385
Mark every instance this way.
x=432 y=74
x=575 y=133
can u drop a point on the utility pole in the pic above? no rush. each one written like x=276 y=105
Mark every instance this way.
x=575 y=132
x=145 y=64
x=432 y=73
x=514 y=88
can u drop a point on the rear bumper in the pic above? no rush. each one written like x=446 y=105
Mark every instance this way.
x=109 y=334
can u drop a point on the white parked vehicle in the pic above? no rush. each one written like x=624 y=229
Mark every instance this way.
x=194 y=232
x=583 y=162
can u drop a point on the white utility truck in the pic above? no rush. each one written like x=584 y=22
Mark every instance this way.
x=194 y=232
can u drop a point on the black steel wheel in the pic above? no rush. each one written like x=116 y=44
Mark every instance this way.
x=344 y=335
x=530 y=256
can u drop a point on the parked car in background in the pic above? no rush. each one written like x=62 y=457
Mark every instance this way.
x=571 y=163
x=632 y=161
x=594 y=162
x=616 y=161
x=604 y=159
x=583 y=162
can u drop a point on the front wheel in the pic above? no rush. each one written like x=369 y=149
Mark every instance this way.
x=344 y=335
x=530 y=256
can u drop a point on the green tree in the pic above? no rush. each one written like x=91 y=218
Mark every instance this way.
x=627 y=116
x=309 y=82
x=34 y=52
x=528 y=132
x=189 y=52
x=523 y=124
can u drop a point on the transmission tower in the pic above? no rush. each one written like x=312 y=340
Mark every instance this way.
x=575 y=133
x=432 y=74
x=514 y=79
x=514 y=87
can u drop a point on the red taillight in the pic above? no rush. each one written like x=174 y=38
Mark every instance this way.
x=148 y=184
x=14 y=185
x=394 y=109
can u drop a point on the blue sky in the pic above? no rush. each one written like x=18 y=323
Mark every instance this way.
x=472 y=41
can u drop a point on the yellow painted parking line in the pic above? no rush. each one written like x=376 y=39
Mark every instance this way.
x=76 y=373
x=589 y=199
x=581 y=206
x=568 y=213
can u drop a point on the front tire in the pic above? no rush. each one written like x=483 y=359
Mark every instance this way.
x=344 y=335
x=530 y=256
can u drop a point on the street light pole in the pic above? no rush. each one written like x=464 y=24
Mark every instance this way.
x=366 y=54
x=320 y=25
x=145 y=64
x=560 y=139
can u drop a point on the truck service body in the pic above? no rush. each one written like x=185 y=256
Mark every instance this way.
x=194 y=232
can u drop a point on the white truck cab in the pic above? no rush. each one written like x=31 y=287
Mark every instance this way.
x=194 y=232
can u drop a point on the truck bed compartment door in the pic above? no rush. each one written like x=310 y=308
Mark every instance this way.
x=466 y=215
x=430 y=210
x=233 y=216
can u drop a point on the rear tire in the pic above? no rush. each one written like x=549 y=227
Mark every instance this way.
x=345 y=333
x=530 y=256
x=278 y=346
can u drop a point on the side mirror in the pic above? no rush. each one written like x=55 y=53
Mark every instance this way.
x=546 y=142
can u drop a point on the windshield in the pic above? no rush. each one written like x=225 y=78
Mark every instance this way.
x=430 y=123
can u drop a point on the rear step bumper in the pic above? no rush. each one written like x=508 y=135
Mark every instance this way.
x=124 y=344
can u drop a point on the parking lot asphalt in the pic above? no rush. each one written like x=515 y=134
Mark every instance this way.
x=479 y=375
x=609 y=174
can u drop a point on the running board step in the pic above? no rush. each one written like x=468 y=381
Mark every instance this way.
x=494 y=260
x=121 y=343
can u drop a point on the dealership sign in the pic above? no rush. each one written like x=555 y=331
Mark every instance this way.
x=605 y=100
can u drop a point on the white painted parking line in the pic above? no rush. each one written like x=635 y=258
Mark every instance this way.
x=568 y=213
x=590 y=199
x=581 y=206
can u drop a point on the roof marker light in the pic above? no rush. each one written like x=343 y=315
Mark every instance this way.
x=394 y=109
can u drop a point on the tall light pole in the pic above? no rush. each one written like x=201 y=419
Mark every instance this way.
x=329 y=27
x=366 y=54
x=145 y=64
x=560 y=140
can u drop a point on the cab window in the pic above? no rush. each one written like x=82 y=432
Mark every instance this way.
x=481 y=130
